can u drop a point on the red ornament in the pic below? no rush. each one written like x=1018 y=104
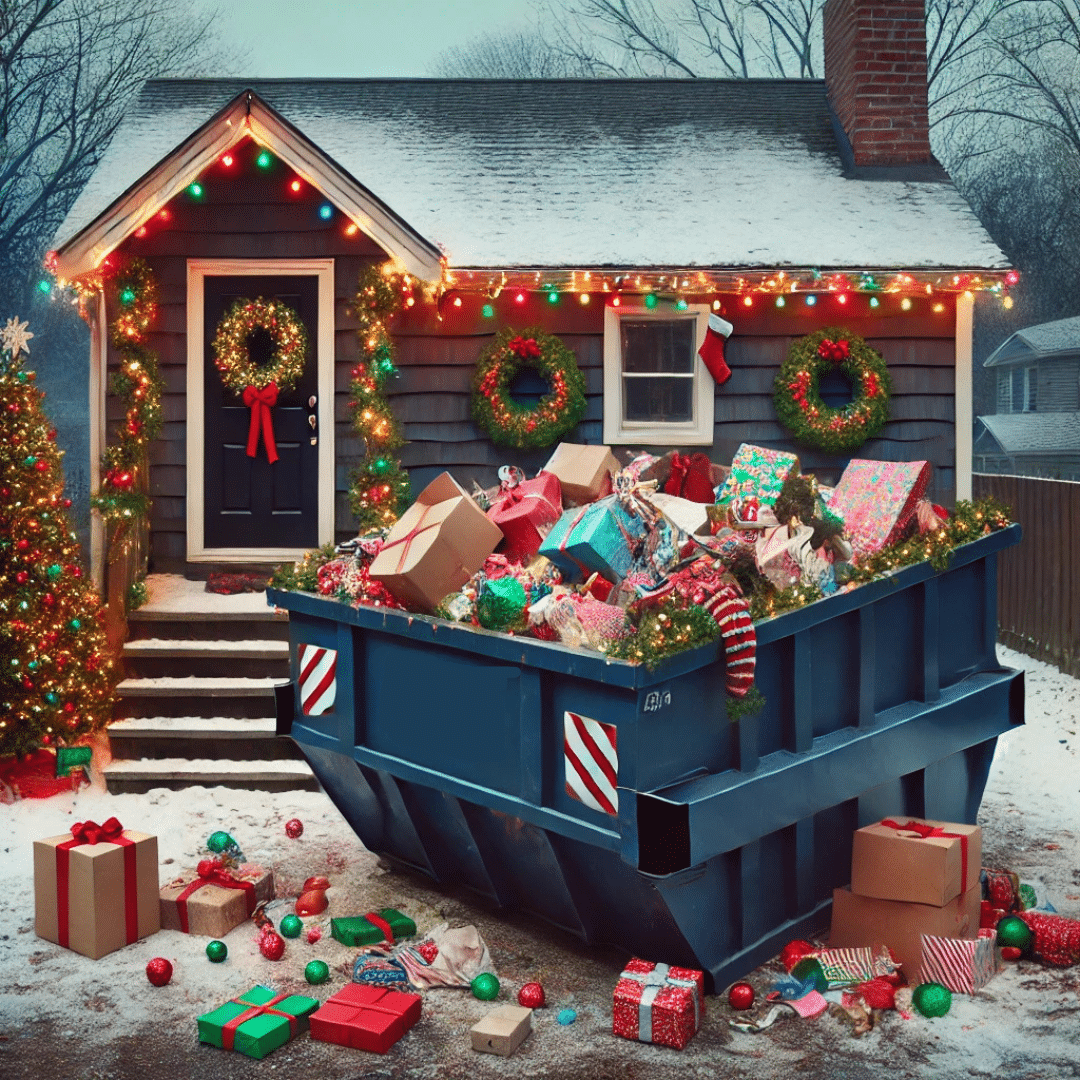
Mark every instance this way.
x=317 y=882
x=741 y=996
x=1011 y=952
x=313 y=935
x=428 y=950
x=272 y=945
x=21 y=577
x=793 y=952
x=311 y=902
x=531 y=996
x=159 y=971
x=22 y=544
x=294 y=828
x=878 y=993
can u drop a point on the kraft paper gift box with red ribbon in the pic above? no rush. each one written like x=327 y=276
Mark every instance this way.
x=596 y=538
x=757 y=475
x=96 y=887
x=525 y=512
x=256 y=1022
x=878 y=500
x=365 y=1017
x=960 y=965
x=659 y=1004
x=584 y=472
x=214 y=900
x=372 y=928
x=436 y=545
x=923 y=862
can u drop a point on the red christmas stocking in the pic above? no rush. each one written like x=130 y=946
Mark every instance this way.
x=732 y=615
x=712 y=349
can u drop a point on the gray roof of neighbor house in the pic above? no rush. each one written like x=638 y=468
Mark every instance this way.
x=1044 y=340
x=587 y=172
x=1020 y=433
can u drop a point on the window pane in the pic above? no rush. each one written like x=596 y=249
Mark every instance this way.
x=659 y=400
x=1017 y=390
x=654 y=345
x=1032 y=389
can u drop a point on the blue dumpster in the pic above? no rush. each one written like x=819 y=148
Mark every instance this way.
x=682 y=836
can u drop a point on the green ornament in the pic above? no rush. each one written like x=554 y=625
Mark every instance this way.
x=1027 y=895
x=931 y=999
x=216 y=951
x=31 y=460
x=485 y=986
x=55 y=570
x=1012 y=930
x=51 y=698
x=219 y=842
x=75 y=624
x=291 y=926
x=316 y=972
x=810 y=968
x=501 y=603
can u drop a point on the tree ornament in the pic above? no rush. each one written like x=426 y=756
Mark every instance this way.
x=217 y=951
x=314 y=934
x=271 y=945
x=931 y=999
x=508 y=423
x=800 y=408
x=311 y=902
x=316 y=972
x=159 y=971
x=485 y=986
x=291 y=926
x=428 y=950
x=1014 y=931
x=741 y=996
x=221 y=843
x=1011 y=952
x=294 y=828
x=531 y=996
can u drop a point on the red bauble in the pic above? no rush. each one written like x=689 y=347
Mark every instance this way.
x=793 y=952
x=313 y=935
x=272 y=945
x=531 y=996
x=159 y=971
x=294 y=829
x=741 y=996
x=311 y=902
x=1011 y=952
x=317 y=882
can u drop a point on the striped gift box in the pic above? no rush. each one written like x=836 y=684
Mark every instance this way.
x=846 y=967
x=960 y=964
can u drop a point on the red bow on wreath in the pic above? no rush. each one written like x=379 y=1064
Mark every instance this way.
x=526 y=348
x=836 y=351
x=260 y=402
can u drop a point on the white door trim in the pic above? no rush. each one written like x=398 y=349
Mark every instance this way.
x=197 y=270
x=963 y=416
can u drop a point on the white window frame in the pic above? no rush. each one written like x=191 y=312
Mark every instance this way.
x=617 y=430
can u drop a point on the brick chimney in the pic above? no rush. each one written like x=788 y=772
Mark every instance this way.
x=875 y=75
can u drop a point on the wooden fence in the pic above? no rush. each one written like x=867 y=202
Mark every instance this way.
x=1039 y=581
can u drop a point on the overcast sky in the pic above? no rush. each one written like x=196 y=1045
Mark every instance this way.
x=334 y=38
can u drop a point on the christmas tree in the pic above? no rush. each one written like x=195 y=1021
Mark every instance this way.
x=57 y=678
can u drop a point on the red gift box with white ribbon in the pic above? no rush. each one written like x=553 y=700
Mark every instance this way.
x=658 y=1003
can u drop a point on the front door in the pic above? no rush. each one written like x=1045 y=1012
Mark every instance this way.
x=249 y=502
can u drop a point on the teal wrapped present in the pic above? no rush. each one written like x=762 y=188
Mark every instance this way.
x=599 y=537
x=257 y=1022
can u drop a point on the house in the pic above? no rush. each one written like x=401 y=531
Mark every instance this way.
x=595 y=209
x=1036 y=429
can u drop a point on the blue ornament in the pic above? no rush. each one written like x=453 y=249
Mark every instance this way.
x=566 y=1017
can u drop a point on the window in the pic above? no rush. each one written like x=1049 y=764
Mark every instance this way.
x=656 y=388
x=1022 y=389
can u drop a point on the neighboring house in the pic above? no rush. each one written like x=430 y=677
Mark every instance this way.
x=598 y=209
x=1036 y=429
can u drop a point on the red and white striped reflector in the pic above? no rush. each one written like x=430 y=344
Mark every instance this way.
x=318 y=679
x=591 y=762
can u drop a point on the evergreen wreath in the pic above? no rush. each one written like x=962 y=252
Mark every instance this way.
x=799 y=406
x=231 y=356
x=508 y=423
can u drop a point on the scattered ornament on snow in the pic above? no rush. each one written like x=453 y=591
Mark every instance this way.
x=217 y=951
x=311 y=902
x=1011 y=952
x=159 y=971
x=313 y=935
x=931 y=999
x=221 y=843
x=531 y=996
x=428 y=950
x=566 y=1017
x=316 y=972
x=485 y=986
x=741 y=996
x=272 y=945
x=294 y=828
x=1013 y=931
x=291 y=926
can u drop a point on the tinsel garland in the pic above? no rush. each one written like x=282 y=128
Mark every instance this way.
x=800 y=408
x=302 y=576
x=378 y=487
x=231 y=355
x=664 y=631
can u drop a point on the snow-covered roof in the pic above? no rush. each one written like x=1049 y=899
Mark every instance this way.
x=1044 y=340
x=1019 y=433
x=586 y=172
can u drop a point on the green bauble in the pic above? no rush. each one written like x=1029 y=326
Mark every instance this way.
x=219 y=842
x=485 y=986
x=1012 y=930
x=502 y=602
x=810 y=968
x=316 y=972
x=291 y=926
x=931 y=999
x=217 y=951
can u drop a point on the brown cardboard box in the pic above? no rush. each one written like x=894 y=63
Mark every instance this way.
x=436 y=546
x=213 y=910
x=96 y=892
x=862 y=920
x=892 y=865
x=584 y=472
x=503 y=1030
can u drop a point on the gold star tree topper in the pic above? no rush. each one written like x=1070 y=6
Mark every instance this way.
x=14 y=338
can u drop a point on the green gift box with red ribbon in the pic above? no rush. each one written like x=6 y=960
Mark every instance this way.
x=214 y=899
x=372 y=928
x=96 y=887
x=257 y=1022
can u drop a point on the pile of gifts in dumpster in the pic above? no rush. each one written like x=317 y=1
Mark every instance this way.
x=586 y=550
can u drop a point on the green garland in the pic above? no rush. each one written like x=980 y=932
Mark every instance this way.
x=664 y=631
x=496 y=412
x=302 y=576
x=798 y=402
x=231 y=356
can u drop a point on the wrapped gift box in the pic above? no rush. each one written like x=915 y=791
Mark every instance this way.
x=372 y=928
x=924 y=862
x=658 y=1004
x=502 y=1031
x=525 y=514
x=597 y=538
x=864 y=920
x=213 y=903
x=256 y=1022
x=365 y=1017
x=849 y=967
x=584 y=472
x=691 y=517
x=96 y=887
x=959 y=964
x=758 y=473
x=436 y=546
x=877 y=500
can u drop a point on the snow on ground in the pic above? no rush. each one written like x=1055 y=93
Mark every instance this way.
x=1026 y=1023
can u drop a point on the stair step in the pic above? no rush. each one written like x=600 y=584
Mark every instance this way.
x=154 y=658
x=196 y=696
x=232 y=738
x=178 y=773
x=210 y=649
x=180 y=727
x=202 y=626
x=196 y=686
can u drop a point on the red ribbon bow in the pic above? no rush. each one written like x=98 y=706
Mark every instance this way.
x=260 y=402
x=526 y=348
x=925 y=832
x=836 y=351
x=213 y=873
x=90 y=832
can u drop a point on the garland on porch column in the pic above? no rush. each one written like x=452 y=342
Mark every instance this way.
x=378 y=488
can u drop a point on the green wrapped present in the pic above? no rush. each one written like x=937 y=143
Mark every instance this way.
x=256 y=1022
x=372 y=928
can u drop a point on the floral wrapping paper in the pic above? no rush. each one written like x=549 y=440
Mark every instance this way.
x=757 y=473
x=877 y=500
x=658 y=1004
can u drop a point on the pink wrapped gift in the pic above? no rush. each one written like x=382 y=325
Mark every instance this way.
x=659 y=1004
x=877 y=501
x=525 y=512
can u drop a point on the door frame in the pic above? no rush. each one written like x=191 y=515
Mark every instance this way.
x=197 y=271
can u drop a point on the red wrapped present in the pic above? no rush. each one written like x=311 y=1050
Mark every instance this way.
x=525 y=512
x=659 y=1004
x=691 y=478
x=365 y=1017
